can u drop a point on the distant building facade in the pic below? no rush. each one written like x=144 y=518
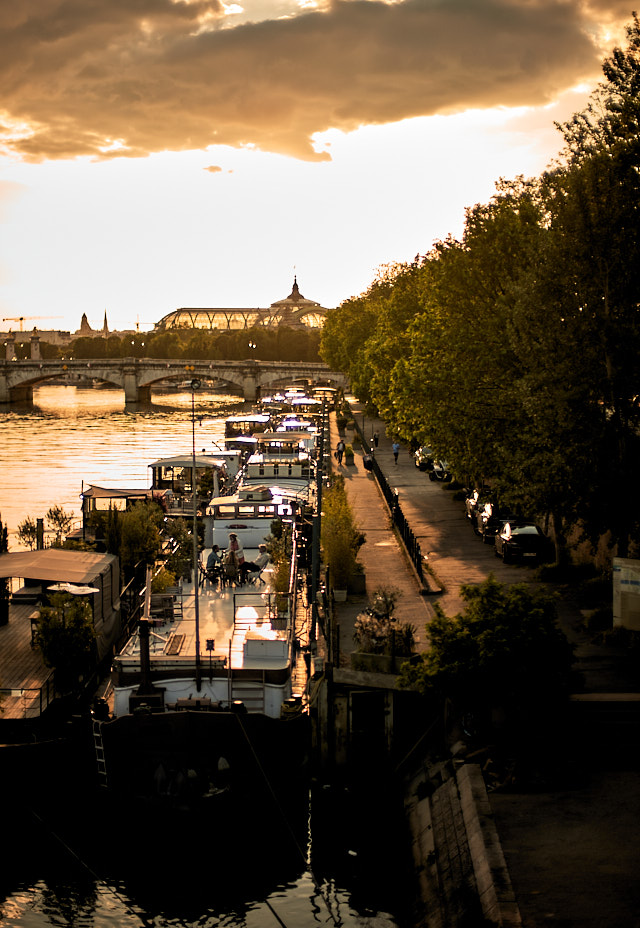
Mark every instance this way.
x=294 y=311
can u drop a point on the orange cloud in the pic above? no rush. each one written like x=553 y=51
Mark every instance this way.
x=115 y=78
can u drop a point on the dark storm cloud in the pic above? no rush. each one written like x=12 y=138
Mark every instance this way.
x=129 y=77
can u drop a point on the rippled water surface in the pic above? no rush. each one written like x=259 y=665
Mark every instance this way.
x=73 y=435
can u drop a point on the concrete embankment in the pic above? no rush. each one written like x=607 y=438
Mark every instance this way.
x=460 y=868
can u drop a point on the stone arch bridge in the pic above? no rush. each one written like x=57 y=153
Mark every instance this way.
x=136 y=376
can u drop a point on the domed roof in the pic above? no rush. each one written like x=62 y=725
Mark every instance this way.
x=295 y=298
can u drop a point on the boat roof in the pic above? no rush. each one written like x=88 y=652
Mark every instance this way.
x=55 y=564
x=186 y=460
x=277 y=494
x=284 y=437
x=95 y=492
x=249 y=417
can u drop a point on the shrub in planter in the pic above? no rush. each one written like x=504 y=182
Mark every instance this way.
x=376 y=631
x=341 y=539
x=348 y=454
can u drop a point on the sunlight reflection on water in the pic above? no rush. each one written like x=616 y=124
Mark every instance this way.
x=75 y=434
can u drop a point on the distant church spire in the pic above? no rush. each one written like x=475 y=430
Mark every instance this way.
x=105 y=326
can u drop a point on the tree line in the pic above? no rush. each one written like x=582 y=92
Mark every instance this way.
x=280 y=343
x=513 y=351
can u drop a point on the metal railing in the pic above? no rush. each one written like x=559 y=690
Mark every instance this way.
x=411 y=543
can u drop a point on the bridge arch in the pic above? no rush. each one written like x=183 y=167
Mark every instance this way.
x=136 y=375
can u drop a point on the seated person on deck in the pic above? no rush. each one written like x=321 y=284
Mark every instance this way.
x=250 y=567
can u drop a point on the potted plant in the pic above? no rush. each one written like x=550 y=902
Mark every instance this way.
x=382 y=642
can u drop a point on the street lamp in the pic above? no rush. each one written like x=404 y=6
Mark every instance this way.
x=195 y=385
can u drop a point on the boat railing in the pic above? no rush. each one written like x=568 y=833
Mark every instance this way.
x=33 y=699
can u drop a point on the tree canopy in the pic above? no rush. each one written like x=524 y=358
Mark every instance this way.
x=514 y=351
x=506 y=649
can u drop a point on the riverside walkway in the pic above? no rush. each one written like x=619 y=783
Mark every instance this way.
x=571 y=847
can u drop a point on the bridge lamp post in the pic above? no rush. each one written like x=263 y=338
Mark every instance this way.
x=195 y=385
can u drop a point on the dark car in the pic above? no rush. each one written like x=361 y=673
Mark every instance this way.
x=489 y=520
x=520 y=541
x=423 y=458
x=440 y=471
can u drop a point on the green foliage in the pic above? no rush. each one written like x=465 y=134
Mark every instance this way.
x=180 y=560
x=514 y=351
x=67 y=639
x=340 y=537
x=140 y=536
x=27 y=532
x=505 y=649
x=163 y=579
x=376 y=631
x=271 y=344
x=59 y=520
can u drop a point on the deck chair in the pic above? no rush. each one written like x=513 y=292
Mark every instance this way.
x=255 y=576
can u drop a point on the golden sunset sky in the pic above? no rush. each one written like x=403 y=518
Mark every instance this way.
x=158 y=154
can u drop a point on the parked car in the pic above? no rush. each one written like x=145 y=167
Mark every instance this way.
x=440 y=471
x=489 y=520
x=474 y=503
x=517 y=541
x=423 y=458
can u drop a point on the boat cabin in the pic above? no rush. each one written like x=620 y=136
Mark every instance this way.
x=101 y=499
x=249 y=513
x=284 y=444
x=246 y=424
x=176 y=474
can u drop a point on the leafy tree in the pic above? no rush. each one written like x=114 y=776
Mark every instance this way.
x=180 y=560
x=140 y=536
x=506 y=649
x=27 y=532
x=59 y=520
x=588 y=284
x=66 y=638
x=344 y=336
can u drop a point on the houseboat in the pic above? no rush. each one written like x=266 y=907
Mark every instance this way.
x=207 y=695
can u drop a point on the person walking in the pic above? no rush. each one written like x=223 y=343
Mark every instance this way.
x=395 y=447
x=376 y=438
x=340 y=451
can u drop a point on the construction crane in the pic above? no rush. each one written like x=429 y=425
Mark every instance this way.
x=22 y=319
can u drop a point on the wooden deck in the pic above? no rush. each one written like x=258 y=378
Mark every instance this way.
x=23 y=675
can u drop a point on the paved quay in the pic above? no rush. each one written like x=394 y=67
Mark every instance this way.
x=571 y=851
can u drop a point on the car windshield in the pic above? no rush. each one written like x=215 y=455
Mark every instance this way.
x=524 y=529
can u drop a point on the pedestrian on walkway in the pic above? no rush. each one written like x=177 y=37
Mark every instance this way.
x=376 y=438
x=395 y=447
x=340 y=451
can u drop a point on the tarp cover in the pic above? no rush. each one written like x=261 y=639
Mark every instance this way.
x=55 y=564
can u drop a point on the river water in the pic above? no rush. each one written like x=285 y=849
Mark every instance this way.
x=348 y=866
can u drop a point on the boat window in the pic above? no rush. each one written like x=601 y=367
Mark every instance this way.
x=225 y=512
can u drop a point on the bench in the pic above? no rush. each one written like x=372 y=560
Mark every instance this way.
x=174 y=645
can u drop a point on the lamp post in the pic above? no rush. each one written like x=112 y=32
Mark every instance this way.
x=195 y=385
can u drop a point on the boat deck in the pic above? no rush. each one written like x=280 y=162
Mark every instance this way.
x=234 y=623
x=25 y=681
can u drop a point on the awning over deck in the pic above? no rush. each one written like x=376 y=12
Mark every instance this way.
x=56 y=565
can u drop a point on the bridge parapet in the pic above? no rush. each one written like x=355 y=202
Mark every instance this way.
x=136 y=375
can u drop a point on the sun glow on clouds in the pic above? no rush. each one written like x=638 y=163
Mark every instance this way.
x=334 y=136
